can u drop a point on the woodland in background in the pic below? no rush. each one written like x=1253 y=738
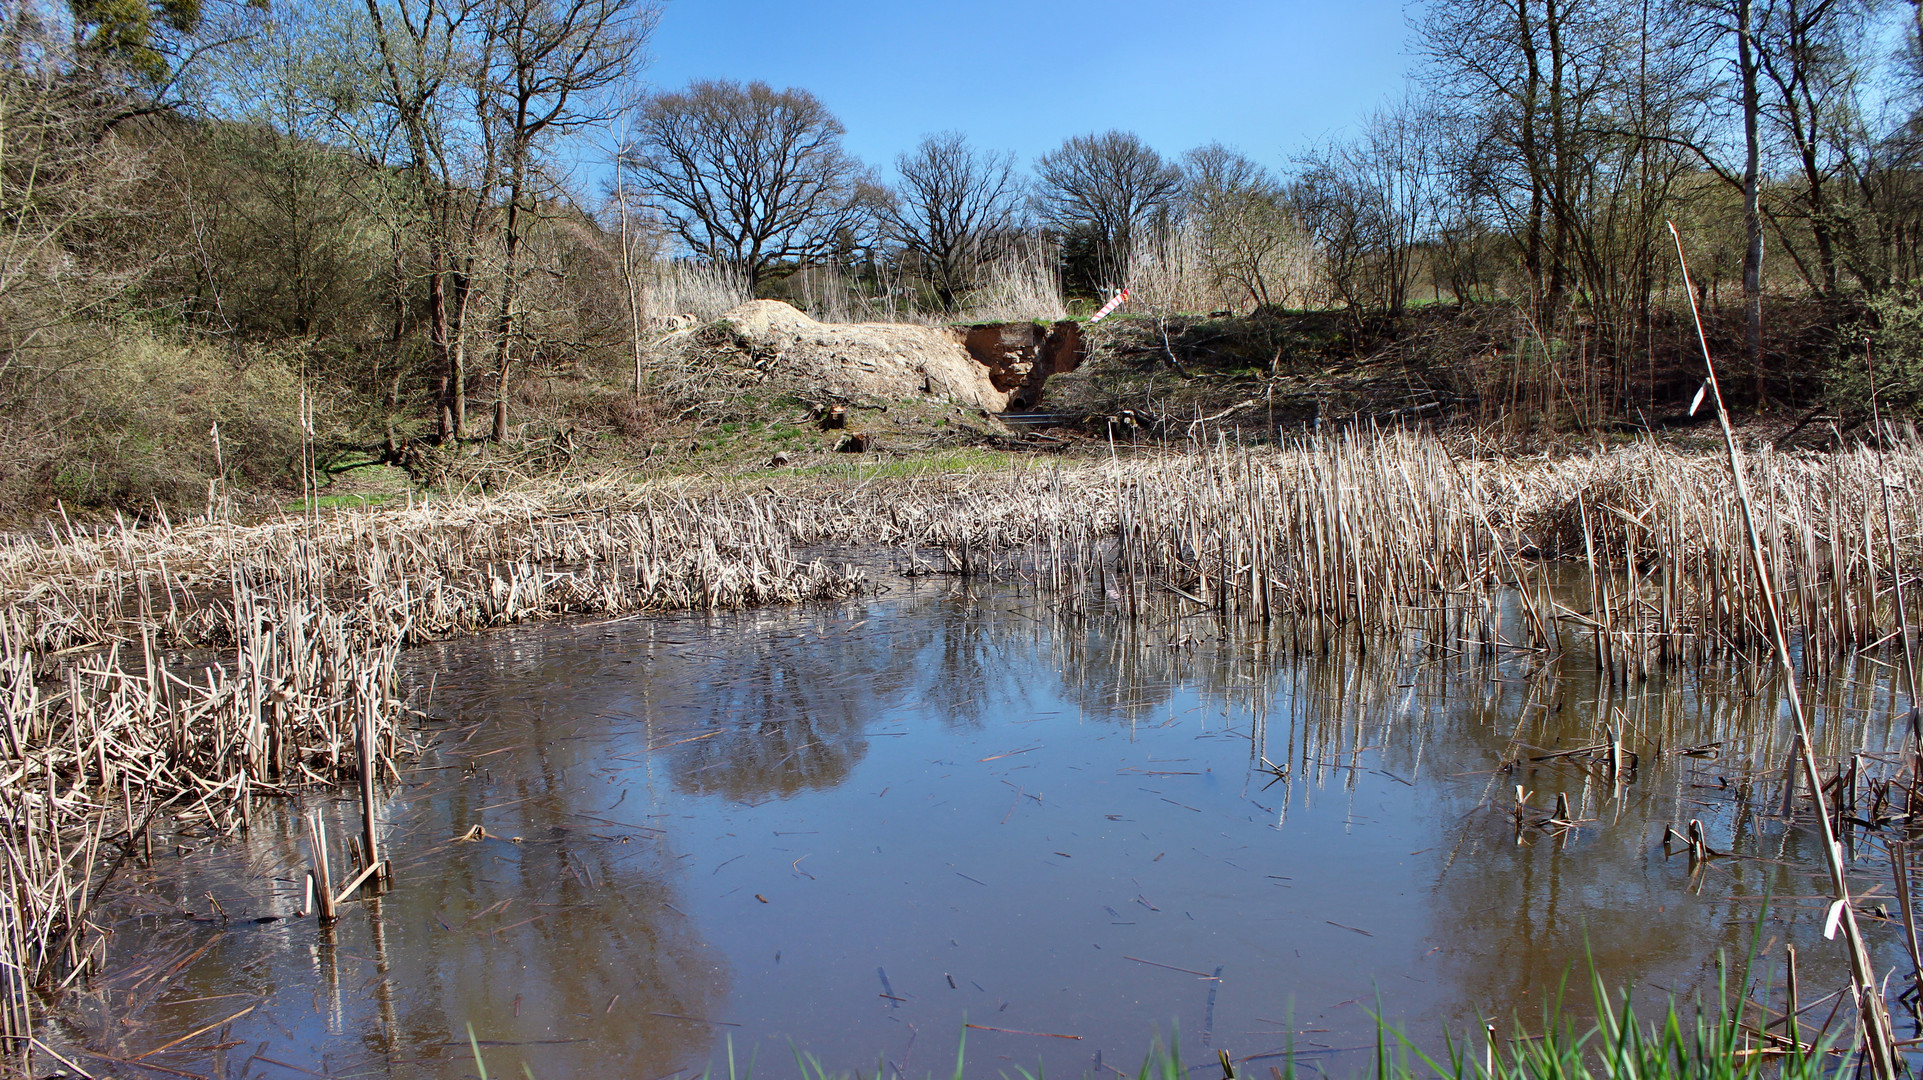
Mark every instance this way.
x=240 y=235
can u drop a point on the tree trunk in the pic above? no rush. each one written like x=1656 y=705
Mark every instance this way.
x=1752 y=215
x=1559 y=202
x=453 y=398
x=510 y=276
x=411 y=99
x=1531 y=153
x=451 y=315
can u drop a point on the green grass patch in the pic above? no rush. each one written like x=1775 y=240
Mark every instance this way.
x=341 y=502
x=887 y=466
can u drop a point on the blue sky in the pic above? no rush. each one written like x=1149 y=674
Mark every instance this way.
x=1268 y=77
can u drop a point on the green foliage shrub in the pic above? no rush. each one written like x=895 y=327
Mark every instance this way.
x=1892 y=324
x=124 y=420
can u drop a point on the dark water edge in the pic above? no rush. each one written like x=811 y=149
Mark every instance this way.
x=849 y=830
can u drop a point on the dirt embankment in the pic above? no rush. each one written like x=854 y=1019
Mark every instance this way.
x=994 y=367
x=1021 y=356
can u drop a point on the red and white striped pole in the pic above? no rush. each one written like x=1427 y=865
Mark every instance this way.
x=1109 y=308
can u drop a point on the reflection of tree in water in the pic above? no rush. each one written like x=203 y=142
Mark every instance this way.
x=593 y=947
x=774 y=708
x=789 y=698
x=971 y=641
x=773 y=757
x=1113 y=668
x=510 y=938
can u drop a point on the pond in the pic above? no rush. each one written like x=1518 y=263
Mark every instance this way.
x=857 y=831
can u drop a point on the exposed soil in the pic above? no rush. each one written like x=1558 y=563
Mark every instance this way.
x=766 y=385
x=1020 y=356
x=786 y=348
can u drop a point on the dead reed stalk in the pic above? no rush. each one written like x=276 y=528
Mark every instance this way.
x=1878 y=1040
x=1331 y=541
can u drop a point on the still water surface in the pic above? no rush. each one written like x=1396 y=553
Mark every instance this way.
x=850 y=830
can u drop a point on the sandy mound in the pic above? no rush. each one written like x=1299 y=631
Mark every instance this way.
x=886 y=360
x=760 y=318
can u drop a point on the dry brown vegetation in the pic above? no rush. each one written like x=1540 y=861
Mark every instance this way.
x=1344 y=538
x=104 y=730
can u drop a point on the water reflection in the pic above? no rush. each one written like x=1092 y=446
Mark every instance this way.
x=850 y=829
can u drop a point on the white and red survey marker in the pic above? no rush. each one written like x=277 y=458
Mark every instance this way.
x=1109 y=308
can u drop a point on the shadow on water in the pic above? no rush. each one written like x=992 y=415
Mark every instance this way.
x=852 y=829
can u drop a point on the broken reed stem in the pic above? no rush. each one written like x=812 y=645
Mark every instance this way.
x=1792 y=1024
x=323 y=879
x=370 y=842
x=1900 y=871
x=1877 y=1037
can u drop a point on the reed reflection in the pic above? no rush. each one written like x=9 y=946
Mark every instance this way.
x=1344 y=815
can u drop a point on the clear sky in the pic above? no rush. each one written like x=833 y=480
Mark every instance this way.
x=1267 y=76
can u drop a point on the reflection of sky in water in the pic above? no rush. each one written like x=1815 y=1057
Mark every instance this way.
x=851 y=829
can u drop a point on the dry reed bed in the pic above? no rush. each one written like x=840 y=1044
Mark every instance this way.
x=440 y=568
x=1364 y=532
x=97 y=747
x=1376 y=532
x=305 y=620
x=1356 y=535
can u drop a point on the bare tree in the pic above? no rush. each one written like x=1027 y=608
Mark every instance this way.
x=1369 y=204
x=1237 y=210
x=747 y=175
x=425 y=64
x=1112 y=186
x=1568 y=132
x=1744 y=20
x=1528 y=70
x=553 y=58
x=1746 y=25
x=623 y=203
x=952 y=203
x=1806 y=52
